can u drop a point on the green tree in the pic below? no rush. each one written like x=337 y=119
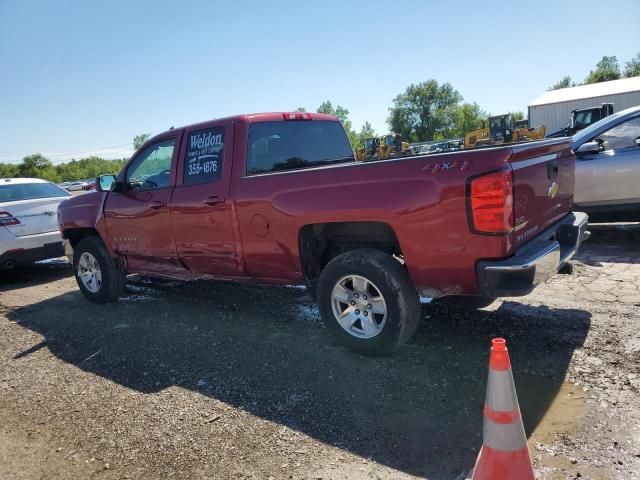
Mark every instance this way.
x=300 y=109
x=139 y=140
x=466 y=117
x=366 y=131
x=632 y=67
x=8 y=170
x=424 y=111
x=37 y=166
x=515 y=116
x=566 y=82
x=343 y=115
x=606 y=69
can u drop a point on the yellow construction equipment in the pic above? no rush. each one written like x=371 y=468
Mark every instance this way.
x=380 y=148
x=502 y=129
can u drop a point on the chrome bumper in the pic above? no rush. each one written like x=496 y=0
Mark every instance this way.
x=535 y=262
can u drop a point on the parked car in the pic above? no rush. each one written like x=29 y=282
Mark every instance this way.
x=279 y=198
x=28 y=221
x=76 y=186
x=608 y=168
x=64 y=185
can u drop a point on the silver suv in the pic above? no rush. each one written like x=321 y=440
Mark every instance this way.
x=608 y=168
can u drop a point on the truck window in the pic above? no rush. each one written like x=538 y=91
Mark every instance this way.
x=289 y=145
x=203 y=156
x=152 y=168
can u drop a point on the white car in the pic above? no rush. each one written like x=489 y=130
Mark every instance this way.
x=75 y=186
x=29 y=221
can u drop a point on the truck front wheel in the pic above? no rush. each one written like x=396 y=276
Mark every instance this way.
x=100 y=277
x=368 y=301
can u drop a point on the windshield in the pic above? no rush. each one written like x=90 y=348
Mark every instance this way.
x=28 y=191
x=584 y=135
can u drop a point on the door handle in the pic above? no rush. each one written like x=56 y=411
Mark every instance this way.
x=156 y=204
x=213 y=200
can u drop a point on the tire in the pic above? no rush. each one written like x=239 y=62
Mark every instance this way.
x=386 y=286
x=108 y=274
x=465 y=301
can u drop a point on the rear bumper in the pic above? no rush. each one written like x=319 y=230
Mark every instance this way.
x=536 y=261
x=22 y=256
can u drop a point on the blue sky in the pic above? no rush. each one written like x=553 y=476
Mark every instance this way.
x=78 y=76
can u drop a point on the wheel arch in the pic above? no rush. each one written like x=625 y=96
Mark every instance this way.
x=75 y=235
x=319 y=243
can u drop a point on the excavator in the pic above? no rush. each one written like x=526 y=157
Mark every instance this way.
x=503 y=129
x=380 y=148
x=582 y=118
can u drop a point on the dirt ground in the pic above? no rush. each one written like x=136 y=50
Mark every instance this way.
x=218 y=380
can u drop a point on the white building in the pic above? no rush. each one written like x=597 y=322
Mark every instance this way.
x=553 y=108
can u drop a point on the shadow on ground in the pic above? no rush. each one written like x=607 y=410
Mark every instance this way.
x=263 y=349
x=35 y=274
x=611 y=243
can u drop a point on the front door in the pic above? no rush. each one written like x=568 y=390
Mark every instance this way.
x=201 y=212
x=611 y=177
x=137 y=216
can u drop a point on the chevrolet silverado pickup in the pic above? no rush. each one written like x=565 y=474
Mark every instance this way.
x=279 y=198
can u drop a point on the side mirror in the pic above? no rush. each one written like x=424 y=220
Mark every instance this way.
x=106 y=183
x=588 y=148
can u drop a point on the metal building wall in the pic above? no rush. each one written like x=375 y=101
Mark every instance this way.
x=556 y=115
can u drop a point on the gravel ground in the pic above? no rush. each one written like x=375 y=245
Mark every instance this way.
x=219 y=380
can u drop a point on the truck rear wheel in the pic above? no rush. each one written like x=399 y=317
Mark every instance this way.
x=100 y=277
x=368 y=302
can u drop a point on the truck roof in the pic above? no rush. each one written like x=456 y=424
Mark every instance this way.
x=251 y=118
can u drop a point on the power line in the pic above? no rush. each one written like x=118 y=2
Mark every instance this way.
x=90 y=151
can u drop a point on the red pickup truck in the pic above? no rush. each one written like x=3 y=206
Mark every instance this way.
x=280 y=198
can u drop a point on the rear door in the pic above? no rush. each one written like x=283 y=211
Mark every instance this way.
x=543 y=174
x=201 y=210
x=138 y=218
x=611 y=177
x=30 y=208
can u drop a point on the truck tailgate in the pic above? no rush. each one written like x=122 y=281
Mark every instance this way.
x=543 y=175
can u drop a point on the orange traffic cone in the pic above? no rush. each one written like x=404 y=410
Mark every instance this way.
x=504 y=454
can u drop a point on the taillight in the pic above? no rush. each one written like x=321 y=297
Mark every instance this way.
x=491 y=203
x=296 y=116
x=7 y=219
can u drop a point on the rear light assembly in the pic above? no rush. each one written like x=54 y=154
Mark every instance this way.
x=6 y=219
x=296 y=116
x=490 y=203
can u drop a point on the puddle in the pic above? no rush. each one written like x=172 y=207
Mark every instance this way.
x=548 y=410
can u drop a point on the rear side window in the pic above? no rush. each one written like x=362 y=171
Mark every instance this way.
x=29 y=191
x=203 y=157
x=289 y=145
